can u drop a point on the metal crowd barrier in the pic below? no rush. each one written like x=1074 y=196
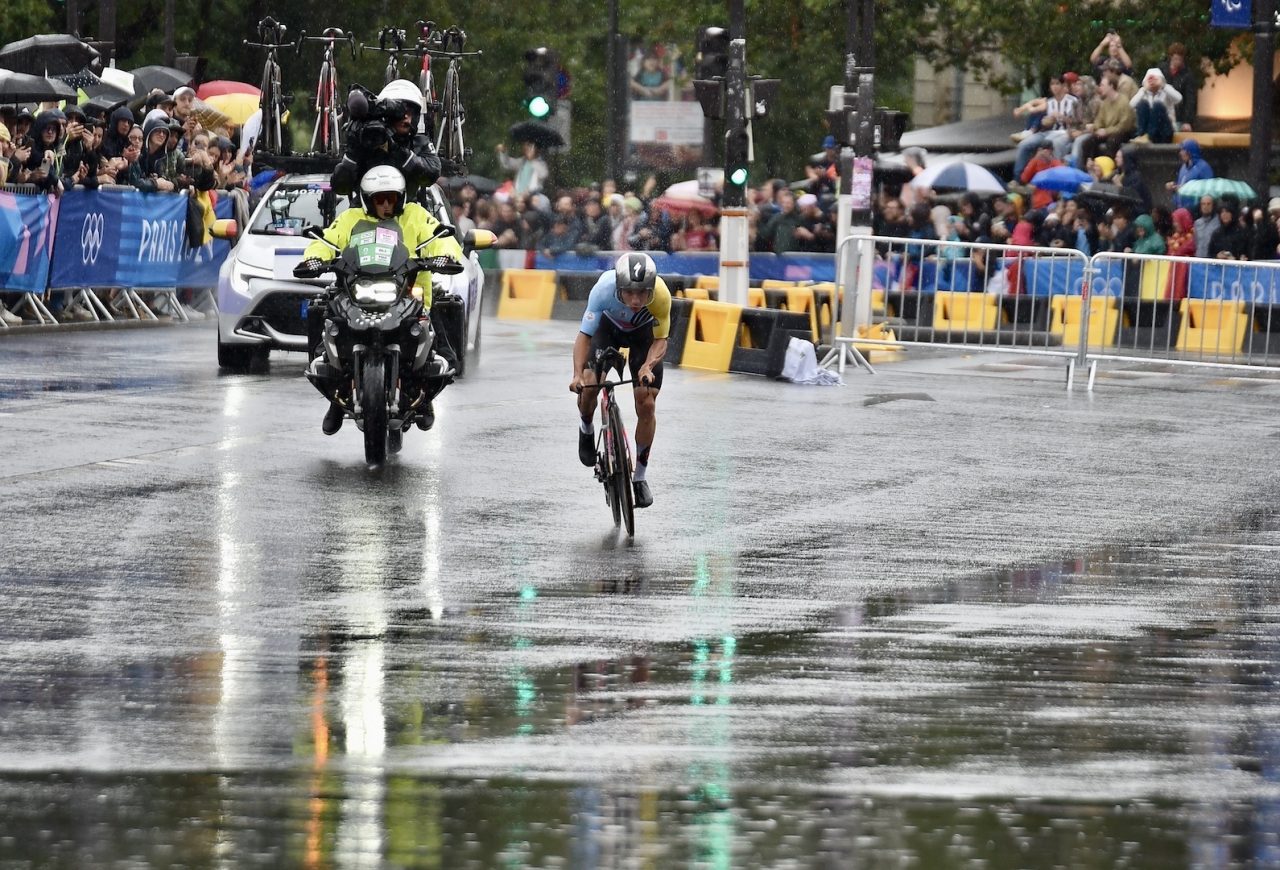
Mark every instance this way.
x=1057 y=302
x=1183 y=311
x=909 y=292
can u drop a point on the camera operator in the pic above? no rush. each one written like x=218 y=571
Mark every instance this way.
x=385 y=133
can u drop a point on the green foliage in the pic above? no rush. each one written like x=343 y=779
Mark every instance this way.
x=22 y=18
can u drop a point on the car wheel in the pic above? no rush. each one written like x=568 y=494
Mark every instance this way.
x=242 y=358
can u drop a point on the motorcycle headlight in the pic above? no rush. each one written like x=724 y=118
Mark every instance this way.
x=367 y=292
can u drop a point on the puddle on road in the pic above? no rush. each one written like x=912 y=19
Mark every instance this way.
x=1109 y=711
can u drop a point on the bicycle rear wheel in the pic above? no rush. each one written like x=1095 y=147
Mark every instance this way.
x=622 y=471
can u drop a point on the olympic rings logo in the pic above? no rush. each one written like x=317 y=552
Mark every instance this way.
x=91 y=238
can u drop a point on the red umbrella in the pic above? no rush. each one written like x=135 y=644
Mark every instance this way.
x=683 y=197
x=218 y=88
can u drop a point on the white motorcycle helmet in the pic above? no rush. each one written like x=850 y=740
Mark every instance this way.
x=382 y=179
x=404 y=94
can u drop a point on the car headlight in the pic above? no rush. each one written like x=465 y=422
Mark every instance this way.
x=369 y=292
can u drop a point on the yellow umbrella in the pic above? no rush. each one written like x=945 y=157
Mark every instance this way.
x=237 y=107
x=209 y=117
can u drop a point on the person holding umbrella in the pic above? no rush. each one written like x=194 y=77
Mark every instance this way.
x=530 y=169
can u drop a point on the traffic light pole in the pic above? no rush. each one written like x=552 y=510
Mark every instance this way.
x=853 y=215
x=735 y=267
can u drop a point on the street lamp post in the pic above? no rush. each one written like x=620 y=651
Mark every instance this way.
x=1260 y=128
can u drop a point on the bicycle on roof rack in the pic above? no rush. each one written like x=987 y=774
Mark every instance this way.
x=328 y=129
x=272 y=37
x=450 y=142
x=391 y=42
x=426 y=81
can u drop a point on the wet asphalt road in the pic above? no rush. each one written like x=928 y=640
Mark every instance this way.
x=949 y=616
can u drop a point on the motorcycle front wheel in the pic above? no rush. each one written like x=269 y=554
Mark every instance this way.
x=373 y=402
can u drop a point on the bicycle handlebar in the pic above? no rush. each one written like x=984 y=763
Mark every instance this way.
x=270 y=45
x=603 y=385
x=330 y=36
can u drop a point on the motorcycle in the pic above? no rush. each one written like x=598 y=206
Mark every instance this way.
x=375 y=350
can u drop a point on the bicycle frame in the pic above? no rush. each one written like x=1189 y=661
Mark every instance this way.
x=327 y=129
x=613 y=463
x=450 y=142
x=271 y=34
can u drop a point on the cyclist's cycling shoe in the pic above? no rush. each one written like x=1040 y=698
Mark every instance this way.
x=586 y=448
x=643 y=497
x=332 y=419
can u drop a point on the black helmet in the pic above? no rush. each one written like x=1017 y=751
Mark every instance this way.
x=635 y=271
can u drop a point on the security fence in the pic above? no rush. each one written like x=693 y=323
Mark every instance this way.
x=1058 y=302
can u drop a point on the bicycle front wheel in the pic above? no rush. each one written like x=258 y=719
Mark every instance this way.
x=622 y=471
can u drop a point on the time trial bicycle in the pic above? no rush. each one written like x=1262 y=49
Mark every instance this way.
x=272 y=37
x=390 y=42
x=450 y=141
x=613 y=449
x=325 y=137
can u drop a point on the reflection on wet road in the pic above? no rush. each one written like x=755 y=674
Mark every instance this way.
x=850 y=633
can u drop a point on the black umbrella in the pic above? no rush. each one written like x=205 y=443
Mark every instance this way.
x=539 y=134
x=107 y=91
x=484 y=186
x=100 y=106
x=47 y=54
x=1107 y=194
x=22 y=88
x=84 y=78
x=166 y=78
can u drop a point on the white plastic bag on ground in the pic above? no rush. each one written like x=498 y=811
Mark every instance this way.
x=801 y=366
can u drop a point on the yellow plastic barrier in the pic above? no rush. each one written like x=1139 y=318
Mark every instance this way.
x=971 y=312
x=774 y=284
x=1066 y=317
x=1215 y=326
x=755 y=297
x=802 y=299
x=527 y=294
x=824 y=305
x=1155 y=279
x=695 y=293
x=708 y=282
x=713 y=332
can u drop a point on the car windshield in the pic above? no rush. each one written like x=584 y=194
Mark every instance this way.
x=290 y=209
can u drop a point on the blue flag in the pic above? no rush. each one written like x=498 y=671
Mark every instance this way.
x=1231 y=13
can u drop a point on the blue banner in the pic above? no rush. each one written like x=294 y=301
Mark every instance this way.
x=1259 y=285
x=764 y=267
x=119 y=238
x=27 y=224
x=1231 y=13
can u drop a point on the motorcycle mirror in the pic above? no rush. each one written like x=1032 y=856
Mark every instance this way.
x=478 y=240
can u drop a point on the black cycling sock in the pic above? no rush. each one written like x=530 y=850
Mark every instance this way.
x=642 y=454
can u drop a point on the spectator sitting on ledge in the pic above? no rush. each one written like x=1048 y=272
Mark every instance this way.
x=1154 y=106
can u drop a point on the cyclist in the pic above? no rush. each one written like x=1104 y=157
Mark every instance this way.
x=382 y=199
x=397 y=108
x=629 y=306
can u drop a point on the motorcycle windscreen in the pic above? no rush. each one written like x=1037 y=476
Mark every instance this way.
x=376 y=248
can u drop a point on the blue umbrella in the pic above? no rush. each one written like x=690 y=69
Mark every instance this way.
x=1063 y=179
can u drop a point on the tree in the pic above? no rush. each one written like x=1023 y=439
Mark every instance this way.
x=23 y=18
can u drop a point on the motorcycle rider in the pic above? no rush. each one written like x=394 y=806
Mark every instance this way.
x=383 y=199
x=386 y=134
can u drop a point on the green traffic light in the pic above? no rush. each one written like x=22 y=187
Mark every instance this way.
x=539 y=107
x=738 y=176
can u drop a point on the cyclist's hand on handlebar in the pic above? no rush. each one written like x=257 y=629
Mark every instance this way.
x=645 y=375
x=575 y=386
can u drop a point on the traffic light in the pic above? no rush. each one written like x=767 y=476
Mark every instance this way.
x=713 y=52
x=541 y=69
x=737 y=156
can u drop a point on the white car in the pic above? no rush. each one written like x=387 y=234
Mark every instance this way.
x=262 y=307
